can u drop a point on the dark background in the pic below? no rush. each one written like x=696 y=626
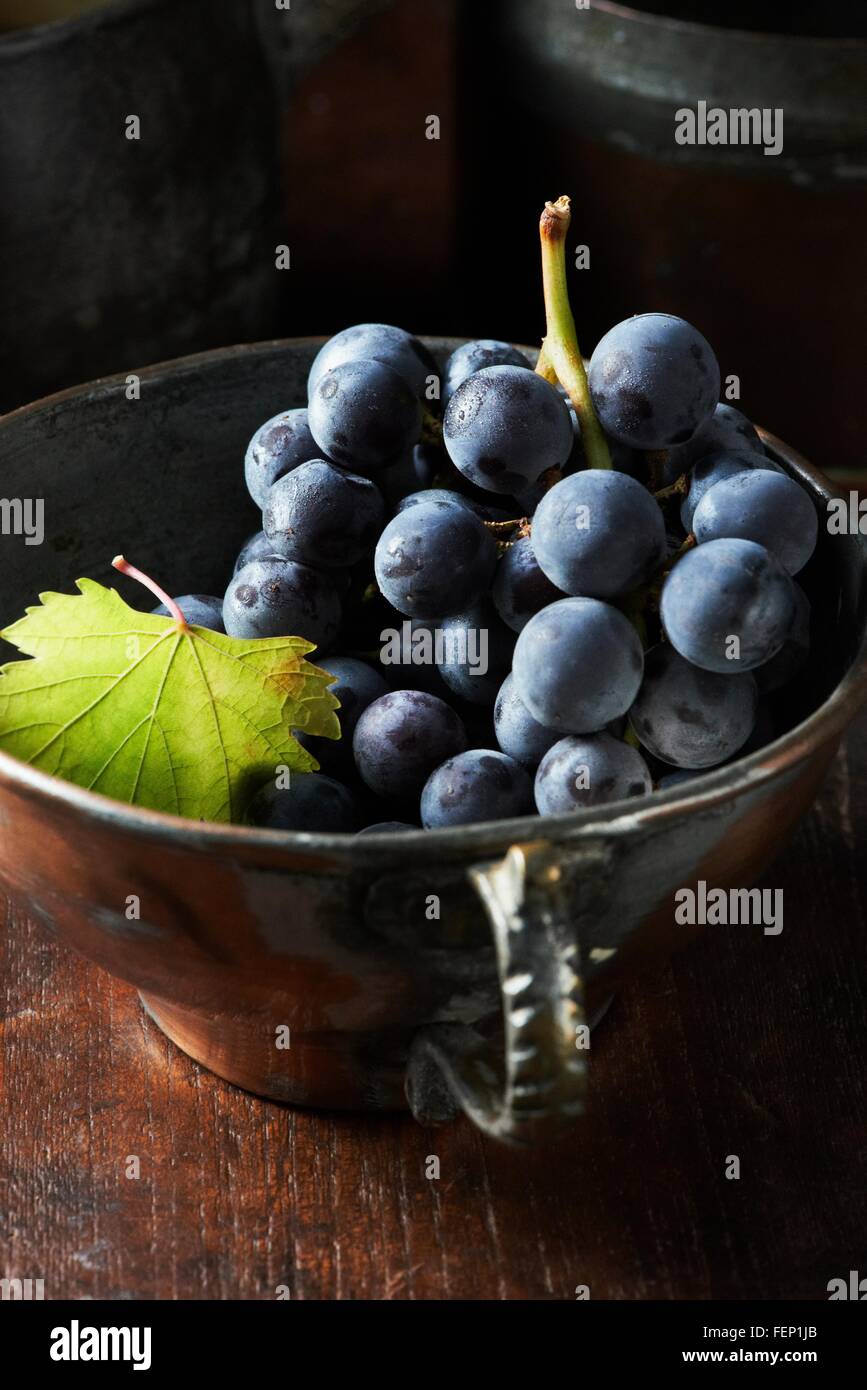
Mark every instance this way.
x=307 y=127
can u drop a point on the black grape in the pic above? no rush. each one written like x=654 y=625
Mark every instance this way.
x=517 y=732
x=323 y=515
x=364 y=416
x=440 y=496
x=356 y=686
x=258 y=547
x=520 y=587
x=728 y=431
x=416 y=470
x=654 y=381
x=793 y=653
x=712 y=469
x=528 y=499
x=728 y=605
x=282 y=598
x=410 y=657
x=276 y=448
x=768 y=508
x=435 y=496
x=434 y=560
x=387 y=827
x=598 y=534
x=200 y=610
x=310 y=802
x=589 y=771
x=470 y=358
x=578 y=665
x=470 y=641
x=692 y=718
x=379 y=342
x=504 y=427
x=401 y=738
x=478 y=785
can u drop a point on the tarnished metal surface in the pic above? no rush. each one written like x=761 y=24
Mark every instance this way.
x=245 y=931
x=311 y=29
x=535 y=898
x=617 y=74
x=117 y=251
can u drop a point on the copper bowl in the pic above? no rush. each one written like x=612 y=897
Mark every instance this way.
x=244 y=933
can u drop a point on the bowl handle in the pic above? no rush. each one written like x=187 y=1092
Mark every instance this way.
x=533 y=1089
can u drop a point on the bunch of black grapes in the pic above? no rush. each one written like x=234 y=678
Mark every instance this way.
x=631 y=618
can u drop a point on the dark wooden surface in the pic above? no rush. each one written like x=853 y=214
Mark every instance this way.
x=747 y=1045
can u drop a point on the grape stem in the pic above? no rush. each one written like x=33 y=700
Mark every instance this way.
x=544 y=368
x=679 y=554
x=431 y=430
x=560 y=350
x=131 y=572
x=679 y=488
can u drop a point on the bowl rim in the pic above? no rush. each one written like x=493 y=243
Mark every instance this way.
x=617 y=11
x=43 y=34
x=824 y=724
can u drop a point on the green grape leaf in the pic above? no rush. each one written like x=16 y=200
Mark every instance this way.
x=130 y=705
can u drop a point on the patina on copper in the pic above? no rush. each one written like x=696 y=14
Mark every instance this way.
x=244 y=932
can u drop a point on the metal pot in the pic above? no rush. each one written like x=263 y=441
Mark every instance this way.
x=117 y=251
x=245 y=931
x=719 y=233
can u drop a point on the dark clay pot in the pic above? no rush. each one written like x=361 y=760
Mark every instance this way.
x=118 y=252
x=245 y=930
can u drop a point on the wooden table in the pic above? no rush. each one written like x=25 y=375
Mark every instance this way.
x=747 y=1045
